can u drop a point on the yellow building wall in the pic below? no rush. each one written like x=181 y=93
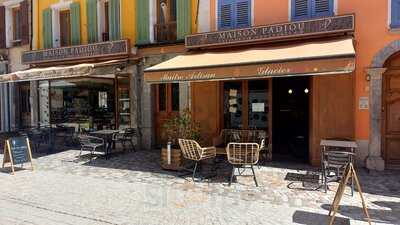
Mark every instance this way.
x=128 y=20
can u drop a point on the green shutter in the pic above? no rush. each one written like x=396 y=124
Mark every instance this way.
x=75 y=23
x=183 y=18
x=47 y=28
x=91 y=11
x=142 y=21
x=114 y=19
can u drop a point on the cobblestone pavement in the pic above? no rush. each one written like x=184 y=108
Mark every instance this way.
x=131 y=188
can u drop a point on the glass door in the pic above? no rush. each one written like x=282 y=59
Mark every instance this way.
x=124 y=102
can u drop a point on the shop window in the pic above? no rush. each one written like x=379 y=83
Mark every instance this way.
x=16 y=17
x=124 y=100
x=175 y=97
x=258 y=104
x=168 y=97
x=165 y=29
x=162 y=97
x=233 y=107
x=395 y=14
x=234 y=14
x=65 y=28
x=307 y=9
x=246 y=104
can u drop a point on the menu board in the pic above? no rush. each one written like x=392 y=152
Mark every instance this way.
x=17 y=152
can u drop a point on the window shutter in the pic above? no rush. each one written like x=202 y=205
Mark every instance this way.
x=183 y=18
x=243 y=13
x=322 y=8
x=395 y=14
x=114 y=19
x=47 y=28
x=75 y=12
x=226 y=14
x=91 y=12
x=301 y=9
x=142 y=21
x=2 y=27
x=24 y=22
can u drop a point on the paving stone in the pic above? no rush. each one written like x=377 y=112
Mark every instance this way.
x=131 y=188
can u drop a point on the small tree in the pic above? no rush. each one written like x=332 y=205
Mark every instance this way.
x=181 y=126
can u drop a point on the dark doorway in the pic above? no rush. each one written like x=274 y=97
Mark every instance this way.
x=290 y=126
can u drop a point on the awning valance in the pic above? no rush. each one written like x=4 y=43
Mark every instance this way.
x=316 y=58
x=49 y=73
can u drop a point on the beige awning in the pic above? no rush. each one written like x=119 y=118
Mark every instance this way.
x=316 y=58
x=60 y=72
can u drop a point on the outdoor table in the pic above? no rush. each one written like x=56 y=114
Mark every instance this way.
x=107 y=136
x=221 y=151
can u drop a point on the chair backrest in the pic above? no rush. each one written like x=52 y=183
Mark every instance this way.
x=130 y=132
x=190 y=149
x=243 y=153
x=338 y=159
x=242 y=136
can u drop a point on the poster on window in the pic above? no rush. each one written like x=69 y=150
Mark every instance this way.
x=258 y=107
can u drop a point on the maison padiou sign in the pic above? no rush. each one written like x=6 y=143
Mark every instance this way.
x=110 y=49
x=270 y=33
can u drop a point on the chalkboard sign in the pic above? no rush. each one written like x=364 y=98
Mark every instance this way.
x=17 y=151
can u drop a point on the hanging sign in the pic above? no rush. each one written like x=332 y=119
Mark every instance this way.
x=17 y=151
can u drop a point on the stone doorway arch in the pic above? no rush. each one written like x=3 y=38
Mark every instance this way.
x=375 y=160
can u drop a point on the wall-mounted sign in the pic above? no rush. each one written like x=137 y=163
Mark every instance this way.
x=109 y=50
x=363 y=103
x=270 y=33
x=262 y=70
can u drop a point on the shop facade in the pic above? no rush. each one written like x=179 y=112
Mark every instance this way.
x=285 y=79
x=87 y=87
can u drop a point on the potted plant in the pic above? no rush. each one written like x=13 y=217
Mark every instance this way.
x=179 y=126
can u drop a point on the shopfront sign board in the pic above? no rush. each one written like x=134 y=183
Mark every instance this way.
x=109 y=50
x=272 y=33
x=17 y=151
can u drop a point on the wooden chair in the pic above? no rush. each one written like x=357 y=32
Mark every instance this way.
x=191 y=150
x=243 y=156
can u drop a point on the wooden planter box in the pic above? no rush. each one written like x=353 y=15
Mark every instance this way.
x=176 y=159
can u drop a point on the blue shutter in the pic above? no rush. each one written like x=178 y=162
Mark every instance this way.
x=321 y=8
x=301 y=9
x=226 y=15
x=243 y=13
x=395 y=14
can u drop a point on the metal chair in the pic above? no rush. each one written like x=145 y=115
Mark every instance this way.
x=90 y=143
x=243 y=156
x=126 y=136
x=191 y=150
x=336 y=162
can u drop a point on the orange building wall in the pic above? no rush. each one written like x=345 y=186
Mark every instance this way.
x=371 y=35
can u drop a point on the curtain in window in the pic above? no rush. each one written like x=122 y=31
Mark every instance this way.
x=2 y=27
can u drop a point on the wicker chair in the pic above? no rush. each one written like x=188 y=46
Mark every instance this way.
x=191 y=150
x=243 y=156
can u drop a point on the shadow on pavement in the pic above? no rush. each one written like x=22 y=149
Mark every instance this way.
x=309 y=218
x=388 y=216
